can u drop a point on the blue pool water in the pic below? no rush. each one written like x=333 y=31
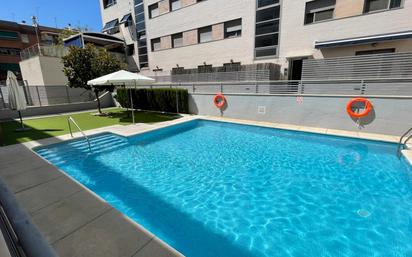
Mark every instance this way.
x=220 y=189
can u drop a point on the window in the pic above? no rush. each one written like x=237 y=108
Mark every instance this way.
x=9 y=35
x=267 y=28
x=233 y=28
x=108 y=3
x=319 y=10
x=24 y=38
x=153 y=10
x=9 y=51
x=377 y=5
x=156 y=44
x=266 y=40
x=263 y=3
x=177 y=40
x=127 y=20
x=268 y=14
x=111 y=27
x=205 y=34
x=376 y=51
x=175 y=4
x=130 y=49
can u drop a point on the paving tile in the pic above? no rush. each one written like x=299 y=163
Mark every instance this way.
x=378 y=137
x=45 y=194
x=24 y=180
x=11 y=169
x=156 y=248
x=66 y=216
x=110 y=235
x=345 y=133
x=313 y=130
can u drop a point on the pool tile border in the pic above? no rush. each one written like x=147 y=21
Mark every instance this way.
x=153 y=245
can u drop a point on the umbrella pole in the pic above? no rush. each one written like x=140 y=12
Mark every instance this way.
x=21 y=120
x=131 y=103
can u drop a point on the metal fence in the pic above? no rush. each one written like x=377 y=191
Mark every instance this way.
x=252 y=75
x=372 y=87
x=377 y=66
x=48 y=95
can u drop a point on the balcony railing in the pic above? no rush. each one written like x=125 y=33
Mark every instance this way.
x=39 y=50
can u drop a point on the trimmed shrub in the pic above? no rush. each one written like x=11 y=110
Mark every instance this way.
x=159 y=99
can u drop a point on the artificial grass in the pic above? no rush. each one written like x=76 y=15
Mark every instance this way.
x=57 y=125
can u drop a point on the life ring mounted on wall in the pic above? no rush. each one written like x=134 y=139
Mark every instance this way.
x=367 y=108
x=219 y=100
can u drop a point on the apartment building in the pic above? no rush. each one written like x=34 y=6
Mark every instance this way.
x=176 y=36
x=15 y=37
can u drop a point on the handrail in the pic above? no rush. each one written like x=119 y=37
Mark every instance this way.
x=70 y=119
x=401 y=144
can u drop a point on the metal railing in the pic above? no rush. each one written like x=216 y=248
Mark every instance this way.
x=71 y=120
x=48 y=95
x=396 y=87
x=252 y=75
x=56 y=51
x=389 y=65
x=402 y=143
x=41 y=50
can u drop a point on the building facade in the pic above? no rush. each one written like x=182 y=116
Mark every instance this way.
x=15 y=37
x=174 y=36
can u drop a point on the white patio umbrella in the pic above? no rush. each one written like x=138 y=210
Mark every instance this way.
x=122 y=78
x=17 y=101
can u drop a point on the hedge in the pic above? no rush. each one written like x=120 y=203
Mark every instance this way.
x=159 y=99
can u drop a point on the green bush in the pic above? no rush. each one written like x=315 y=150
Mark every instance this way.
x=159 y=99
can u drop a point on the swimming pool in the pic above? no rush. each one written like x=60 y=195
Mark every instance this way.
x=221 y=189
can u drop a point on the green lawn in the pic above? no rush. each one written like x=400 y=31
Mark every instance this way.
x=57 y=125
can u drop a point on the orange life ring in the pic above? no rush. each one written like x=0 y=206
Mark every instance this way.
x=368 y=107
x=219 y=100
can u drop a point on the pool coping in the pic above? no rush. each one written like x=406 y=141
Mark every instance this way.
x=132 y=130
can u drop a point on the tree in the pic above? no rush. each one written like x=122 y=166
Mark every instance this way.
x=84 y=64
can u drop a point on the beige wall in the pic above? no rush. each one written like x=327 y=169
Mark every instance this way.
x=187 y=2
x=218 y=31
x=190 y=37
x=166 y=42
x=346 y=8
x=164 y=6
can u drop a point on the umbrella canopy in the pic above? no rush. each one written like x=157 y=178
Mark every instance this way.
x=17 y=101
x=120 y=78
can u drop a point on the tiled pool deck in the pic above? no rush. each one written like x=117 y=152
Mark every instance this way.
x=75 y=221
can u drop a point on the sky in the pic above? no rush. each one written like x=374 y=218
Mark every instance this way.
x=54 y=13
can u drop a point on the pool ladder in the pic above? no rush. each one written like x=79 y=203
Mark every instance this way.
x=402 y=141
x=71 y=120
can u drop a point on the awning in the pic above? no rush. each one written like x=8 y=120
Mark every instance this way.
x=111 y=25
x=126 y=18
x=363 y=40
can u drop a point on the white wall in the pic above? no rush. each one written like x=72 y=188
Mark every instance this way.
x=296 y=39
x=43 y=70
x=200 y=15
x=389 y=116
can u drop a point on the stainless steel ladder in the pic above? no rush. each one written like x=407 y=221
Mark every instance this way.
x=71 y=120
x=402 y=142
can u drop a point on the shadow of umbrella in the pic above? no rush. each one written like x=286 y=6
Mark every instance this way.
x=17 y=101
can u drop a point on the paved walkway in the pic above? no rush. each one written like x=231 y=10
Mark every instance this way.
x=74 y=220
